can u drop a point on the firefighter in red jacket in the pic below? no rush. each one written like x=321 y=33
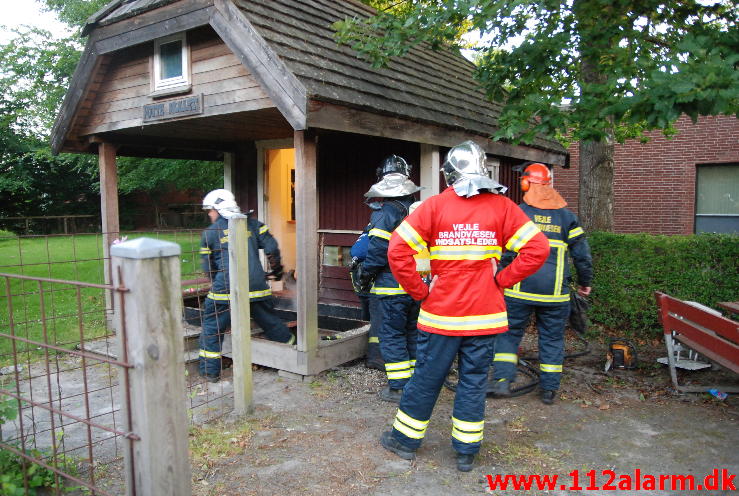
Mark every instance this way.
x=465 y=229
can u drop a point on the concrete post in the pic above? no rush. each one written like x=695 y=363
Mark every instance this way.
x=238 y=263
x=150 y=338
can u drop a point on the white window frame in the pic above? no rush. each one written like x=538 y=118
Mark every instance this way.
x=493 y=166
x=175 y=83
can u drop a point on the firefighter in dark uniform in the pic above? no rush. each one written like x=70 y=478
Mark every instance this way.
x=464 y=229
x=221 y=206
x=545 y=293
x=399 y=312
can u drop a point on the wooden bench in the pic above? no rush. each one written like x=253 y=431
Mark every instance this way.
x=713 y=336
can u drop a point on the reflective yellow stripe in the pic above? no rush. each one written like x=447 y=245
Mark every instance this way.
x=263 y=229
x=400 y=374
x=379 y=233
x=506 y=357
x=557 y=243
x=548 y=367
x=205 y=251
x=468 y=426
x=522 y=236
x=218 y=296
x=291 y=340
x=411 y=237
x=387 y=291
x=575 y=232
x=560 y=272
x=210 y=354
x=413 y=434
x=259 y=294
x=469 y=252
x=413 y=363
x=536 y=297
x=419 y=425
x=397 y=365
x=468 y=322
x=374 y=339
x=466 y=437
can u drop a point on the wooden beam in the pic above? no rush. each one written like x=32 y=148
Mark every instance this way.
x=238 y=256
x=108 y=197
x=306 y=211
x=276 y=79
x=429 y=170
x=328 y=116
x=190 y=15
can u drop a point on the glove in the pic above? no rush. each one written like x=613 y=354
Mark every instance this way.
x=277 y=272
x=365 y=281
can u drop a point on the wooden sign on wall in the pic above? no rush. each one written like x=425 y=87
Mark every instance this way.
x=171 y=109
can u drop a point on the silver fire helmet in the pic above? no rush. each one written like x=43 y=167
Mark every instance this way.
x=393 y=164
x=464 y=169
x=392 y=185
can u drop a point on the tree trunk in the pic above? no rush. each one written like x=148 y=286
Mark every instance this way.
x=596 y=185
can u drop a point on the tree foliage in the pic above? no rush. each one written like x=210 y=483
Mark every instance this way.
x=583 y=69
x=35 y=72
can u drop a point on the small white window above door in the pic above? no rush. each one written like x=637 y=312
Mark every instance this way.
x=171 y=64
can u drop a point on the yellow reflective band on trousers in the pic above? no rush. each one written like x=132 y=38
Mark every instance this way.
x=549 y=367
x=411 y=237
x=414 y=429
x=506 y=357
x=374 y=339
x=379 y=233
x=259 y=294
x=263 y=229
x=205 y=251
x=575 y=232
x=522 y=236
x=291 y=340
x=467 y=432
x=387 y=291
x=398 y=370
x=468 y=322
x=210 y=354
x=465 y=252
x=218 y=296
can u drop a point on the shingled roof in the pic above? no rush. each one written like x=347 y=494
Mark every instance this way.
x=430 y=86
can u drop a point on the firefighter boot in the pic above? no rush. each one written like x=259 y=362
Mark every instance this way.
x=465 y=462
x=391 y=395
x=391 y=444
x=500 y=388
x=547 y=396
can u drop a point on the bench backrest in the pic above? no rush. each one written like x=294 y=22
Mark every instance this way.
x=713 y=336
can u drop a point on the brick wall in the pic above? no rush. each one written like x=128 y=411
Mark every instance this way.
x=655 y=182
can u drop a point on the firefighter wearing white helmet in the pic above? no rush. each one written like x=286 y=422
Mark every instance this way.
x=221 y=206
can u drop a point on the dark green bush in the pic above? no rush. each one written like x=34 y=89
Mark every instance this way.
x=629 y=268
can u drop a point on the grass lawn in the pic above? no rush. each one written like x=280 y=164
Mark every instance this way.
x=75 y=258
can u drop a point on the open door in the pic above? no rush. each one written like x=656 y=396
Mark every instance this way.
x=279 y=203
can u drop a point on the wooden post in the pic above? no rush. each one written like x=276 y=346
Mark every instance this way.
x=108 y=211
x=238 y=263
x=150 y=338
x=429 y=170
x=306 y=211
x=228 y=171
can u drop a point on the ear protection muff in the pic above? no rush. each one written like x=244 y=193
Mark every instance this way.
x=525 y=184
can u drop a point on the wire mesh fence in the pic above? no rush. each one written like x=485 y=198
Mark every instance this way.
x=60 y=370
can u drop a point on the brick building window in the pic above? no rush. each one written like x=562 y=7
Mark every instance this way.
x=717 y=198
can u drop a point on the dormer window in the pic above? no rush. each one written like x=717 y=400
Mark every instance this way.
x=171 y=64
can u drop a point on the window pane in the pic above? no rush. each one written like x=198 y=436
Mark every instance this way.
x=717 y=190
x=331 y=255
x=170 y=56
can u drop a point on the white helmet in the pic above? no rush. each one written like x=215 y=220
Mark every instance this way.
x=223 y=201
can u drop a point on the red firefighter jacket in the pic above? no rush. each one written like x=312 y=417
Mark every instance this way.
x=465 y=237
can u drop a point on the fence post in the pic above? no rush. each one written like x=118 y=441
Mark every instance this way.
x=238 y=263
x=150 y=338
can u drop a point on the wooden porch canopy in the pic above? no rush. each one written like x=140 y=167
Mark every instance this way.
x=266 y=70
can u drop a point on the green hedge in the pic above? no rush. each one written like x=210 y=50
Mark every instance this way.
x=629 y=268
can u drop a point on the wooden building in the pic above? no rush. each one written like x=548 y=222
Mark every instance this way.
x=299 y=122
